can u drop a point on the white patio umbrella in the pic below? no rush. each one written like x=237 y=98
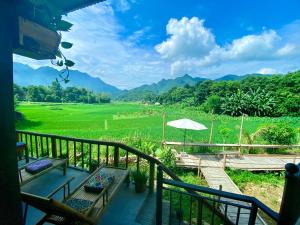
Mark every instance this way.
x=186 y=124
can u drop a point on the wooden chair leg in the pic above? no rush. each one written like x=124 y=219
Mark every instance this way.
x=127 y=180
x=25 y=213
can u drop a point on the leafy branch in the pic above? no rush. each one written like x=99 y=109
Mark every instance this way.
x=47 y=14
x=61 y=61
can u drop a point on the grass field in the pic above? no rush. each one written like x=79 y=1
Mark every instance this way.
x=131 y=119
x=267 y=187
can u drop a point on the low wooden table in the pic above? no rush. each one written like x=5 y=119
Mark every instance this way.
x=60 y=213
x=25 y=177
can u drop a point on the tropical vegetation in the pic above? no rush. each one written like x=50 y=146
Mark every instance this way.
x=272 y=95
x=56 y=93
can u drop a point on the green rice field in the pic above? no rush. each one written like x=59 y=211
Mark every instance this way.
x=118 y=121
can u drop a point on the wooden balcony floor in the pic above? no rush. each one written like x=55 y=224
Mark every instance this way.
x=126 y=207
x=46 y=183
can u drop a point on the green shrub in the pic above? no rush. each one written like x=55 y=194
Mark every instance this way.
x=281 y=134
x=168 y=158
x=139 y=176
x=213 y=104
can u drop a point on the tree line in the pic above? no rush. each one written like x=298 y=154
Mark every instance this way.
x=276 y=95
x=56 y=93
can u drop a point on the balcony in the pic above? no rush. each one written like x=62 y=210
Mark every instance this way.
x=167 y=200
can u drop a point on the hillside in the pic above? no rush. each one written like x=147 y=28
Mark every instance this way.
x=158 y=88
x=232 y=77
x=146 y=92
x=25 y=75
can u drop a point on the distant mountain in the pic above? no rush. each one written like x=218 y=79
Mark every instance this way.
x=25 y=75
x=233 y=77
x=146 y=91
x=165 y=85
x=229 y=77
x=157 y=88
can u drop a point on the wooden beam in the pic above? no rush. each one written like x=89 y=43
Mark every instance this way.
x=10 y=204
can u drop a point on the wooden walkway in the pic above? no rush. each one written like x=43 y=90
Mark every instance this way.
x=212 y=167
x=217 y=177
x=244 y=162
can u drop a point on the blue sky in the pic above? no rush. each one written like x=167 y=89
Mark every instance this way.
x=128 y=43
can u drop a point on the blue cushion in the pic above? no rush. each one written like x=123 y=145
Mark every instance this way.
x=38 y=166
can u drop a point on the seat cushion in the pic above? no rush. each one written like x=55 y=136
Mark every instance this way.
x=99 y=181
x=38 y=166
x=80 y=205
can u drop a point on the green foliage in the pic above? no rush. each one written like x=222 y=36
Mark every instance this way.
x=242 y=177
x=224 y=132
x=142 y=143
x=276 y=95
x=140 y=176
x=213 y=104
x=64 y=25
x=55 y=93
x=279 y=134
x=253 y=103
x=168 y=158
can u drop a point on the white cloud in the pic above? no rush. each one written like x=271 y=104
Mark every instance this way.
x=192 y=49
x=100 y=51
x=189 y=38
x=267 y=71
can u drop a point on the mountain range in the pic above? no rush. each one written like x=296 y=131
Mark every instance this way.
x=25 y=75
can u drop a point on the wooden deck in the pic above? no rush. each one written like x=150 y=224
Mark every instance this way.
x=244 y=162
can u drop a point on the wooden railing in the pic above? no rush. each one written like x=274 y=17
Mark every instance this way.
x=236 y=208
x=85 y=154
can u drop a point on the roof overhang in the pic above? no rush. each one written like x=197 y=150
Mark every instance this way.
x=70 y=6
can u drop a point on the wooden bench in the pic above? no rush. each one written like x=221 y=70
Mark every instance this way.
x=25 y=177
x=61 y=213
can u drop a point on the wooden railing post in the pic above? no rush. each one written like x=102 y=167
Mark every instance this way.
x=199 y=167
x=116 y=156
x=159 y=186
x=151 y=177
x=224 y=163
x=290 y=204
x=53 y=147
x=253 y=214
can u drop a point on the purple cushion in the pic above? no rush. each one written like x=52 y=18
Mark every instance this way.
x=38 y=166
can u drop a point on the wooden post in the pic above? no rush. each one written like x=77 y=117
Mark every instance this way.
x=199 y=167
x=159 y=195
x=10 y=204
x=241 y=133
x=163 y=129
x=220 y=189
x=151 y=177
x=290 y=204
x=53 y=147
x=224 y=162
x=116 y=156
x=211 y=132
